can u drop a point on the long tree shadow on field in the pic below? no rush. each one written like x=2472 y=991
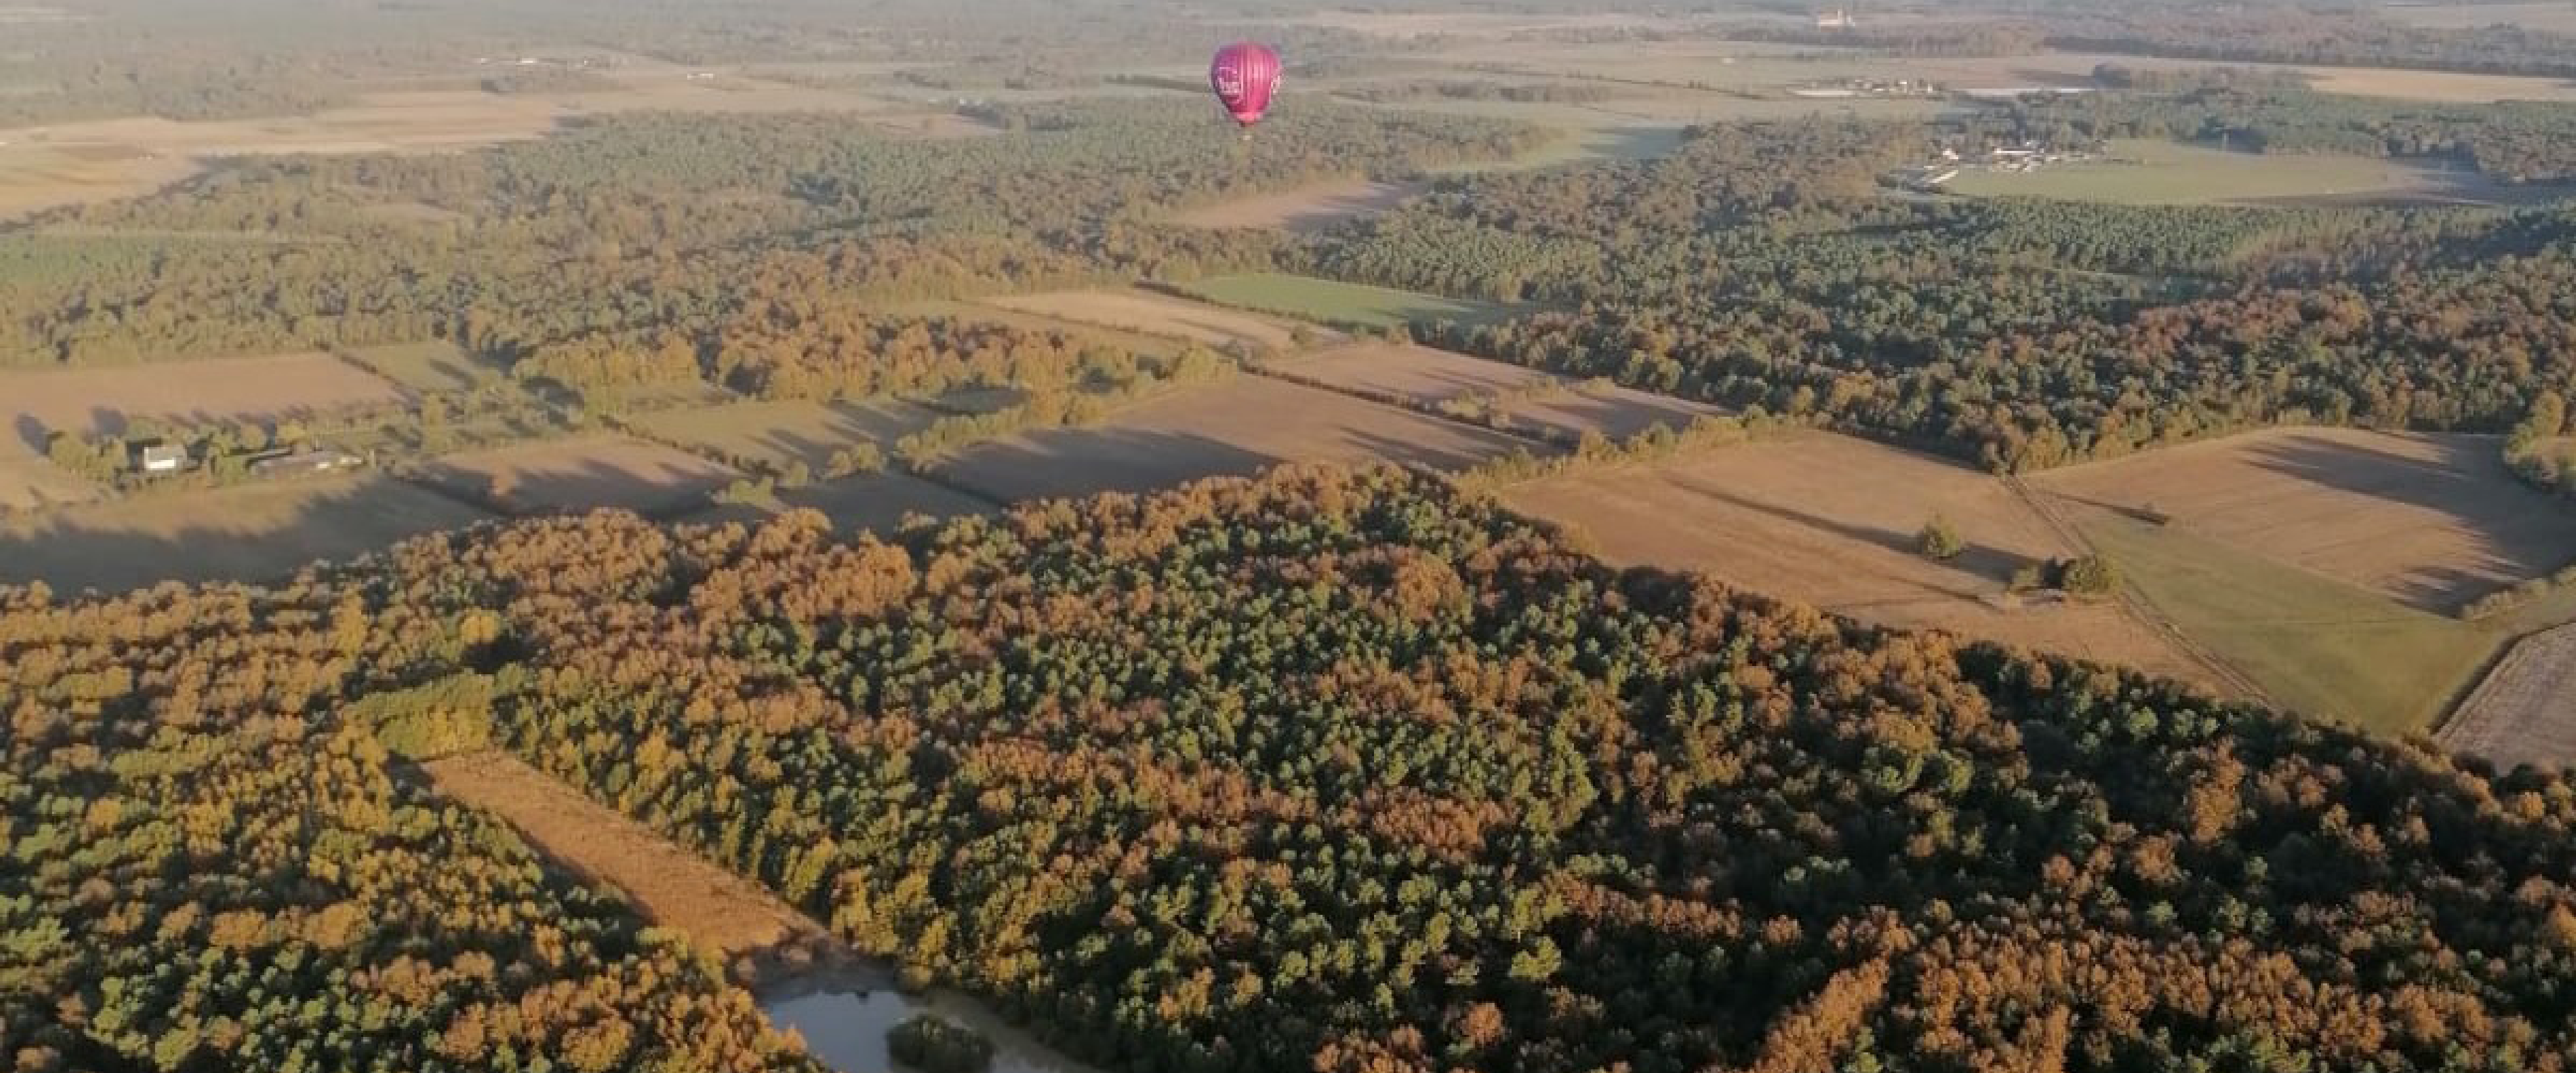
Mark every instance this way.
x=91 y=548
x=1978 y=560
x=1073 y=462
x=2515 y=532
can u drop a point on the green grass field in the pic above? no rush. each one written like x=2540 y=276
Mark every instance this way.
x=1349 y=305
x=2324 y=648
x=2170 y=173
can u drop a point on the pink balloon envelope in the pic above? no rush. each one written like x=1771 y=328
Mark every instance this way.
x=1244 y=76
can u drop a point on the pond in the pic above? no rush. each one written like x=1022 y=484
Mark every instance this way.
x=844 y=1014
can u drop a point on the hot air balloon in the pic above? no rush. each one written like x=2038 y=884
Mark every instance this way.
x=1244 y=75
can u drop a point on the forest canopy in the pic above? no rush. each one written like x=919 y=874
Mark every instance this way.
x=1325 y=771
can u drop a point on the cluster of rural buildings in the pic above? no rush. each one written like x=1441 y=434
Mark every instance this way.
x=162 y=458
x=2025 y=156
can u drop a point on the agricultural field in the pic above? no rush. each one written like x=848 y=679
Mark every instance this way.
x=107 y=399
x=1238 y=426
x=581 y=474
x=1156 y=314
x=435 y=365
x=1311 y=208
x=1542 y=402
x=2432 y=521
x=2168 y=173
x=878 y=502
x=2314 y=644
x=1832 y=521
x=2525 y=710
x=36 y=177
x=252 y=532
x=28 y=481
x=779 y=433
x=1132 y=341
x=1343 y=304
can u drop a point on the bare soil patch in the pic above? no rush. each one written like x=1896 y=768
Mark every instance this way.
x=29 y=482
x=720 y=912
x=582 y=474
x=253 y=532
x=107 y=400
x=1306 y=209
x=1158 y=315
x=2525 y=710
x=1832 y=521
x=2432 y=521
x=1240 y=426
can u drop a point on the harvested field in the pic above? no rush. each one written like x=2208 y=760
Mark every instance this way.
x=435 y=365
x=1239 y=426
x=582 y=474
x=2315 y=645
x=1137 y=342
x=779 y=433
x=252 y=532
x=1345 y=304
x=1831 y=521
x=878 y=502
x=1159 y=315
x=2432 y=521
x=720 y=912
x=1418 y=374
x=105 y=400
x=1541 y=401
x=2525 y=710
x=1311 y=208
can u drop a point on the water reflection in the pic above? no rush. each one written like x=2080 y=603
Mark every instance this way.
x=844 y=1014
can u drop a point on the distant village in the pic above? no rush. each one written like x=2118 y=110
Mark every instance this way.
x=1951 y=161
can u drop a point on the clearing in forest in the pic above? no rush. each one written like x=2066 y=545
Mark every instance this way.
x=778 y=433
x=581 y=474
x=1305 y=209
x=105 y=400
x=2430 y=520
x=2525 y=710
x=2145 y=172
x=1345 y=304
x=1538 y=401
x=1833 y=521
x=253 y=532
x=720 y=912
x=2316 y=645
x=1239 y=426
x=1156 y=314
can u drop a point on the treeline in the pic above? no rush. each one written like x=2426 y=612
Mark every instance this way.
x=650 y=221
x=1759 y=266
x=1326 y=771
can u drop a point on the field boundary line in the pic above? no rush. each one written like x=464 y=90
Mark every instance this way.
x=2136 y=603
